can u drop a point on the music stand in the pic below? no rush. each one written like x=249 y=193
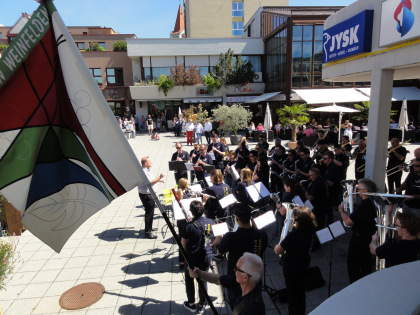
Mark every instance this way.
x=208 y=168
x=330 y=233
x=177 y=166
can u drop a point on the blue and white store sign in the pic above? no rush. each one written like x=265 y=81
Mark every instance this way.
x=400 y=21
x=349 y=37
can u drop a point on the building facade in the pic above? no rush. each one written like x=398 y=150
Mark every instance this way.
x=112 y=70
x=220 y=18
x=154 y=57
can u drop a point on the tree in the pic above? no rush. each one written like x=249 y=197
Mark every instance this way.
x=232 y=118
x=231 y=71
x=196 y=113
x=119 y=46
x=363 y=116
x=294 y=115
x=3 y=48
x=185 y=76
x=95 y=47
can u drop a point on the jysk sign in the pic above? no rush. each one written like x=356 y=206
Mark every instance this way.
x=400 y=21
x=203 y=91
x=347 y=38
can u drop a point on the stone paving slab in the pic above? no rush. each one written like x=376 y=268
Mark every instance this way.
x=140 y=276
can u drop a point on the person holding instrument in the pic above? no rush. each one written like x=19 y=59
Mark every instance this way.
x=363 y=225
x=396 y=155
x=411 y=187
x=406 y=249
x=295 y=246
x=195 y=240
x=241 y=193
x=204 y=159
x=359 y=154
x=218 y=190
x=180 y=155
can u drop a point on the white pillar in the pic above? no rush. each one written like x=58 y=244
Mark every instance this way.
x=379 y=119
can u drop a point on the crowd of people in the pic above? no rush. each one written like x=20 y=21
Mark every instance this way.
x=313 y=175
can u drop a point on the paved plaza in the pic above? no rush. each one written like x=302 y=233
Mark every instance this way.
x=140 y=276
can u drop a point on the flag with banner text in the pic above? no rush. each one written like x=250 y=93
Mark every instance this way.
x=63 y=156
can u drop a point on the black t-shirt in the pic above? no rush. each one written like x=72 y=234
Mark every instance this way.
x=305 y=166
x=279 y=159
x=242 y=194
x=198 y=239
x=360 y=159
x=401 y=252
x=213 y=207
x=243 y=240
x=264 y=145
x=219 y=146
x=343 y=168
x=197 y=154
x=411 y=181
x=242 y=156
x=264 y=176
x=149 y=121
x=363 y=218
x=318 y=189
x=332 y=173
x=393 y=160
x=297 y=244
x=184 y=156
x=254 y=304
x=347 y=148
x=251 y=165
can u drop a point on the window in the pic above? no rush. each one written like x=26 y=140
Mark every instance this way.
x=81 y=46
x=114 y=76
x=237 y=28
x=102 y=44
x=1 y=35
x=97 y=75
x=237 y=9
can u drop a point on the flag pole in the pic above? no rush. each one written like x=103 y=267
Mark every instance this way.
x=182 y=249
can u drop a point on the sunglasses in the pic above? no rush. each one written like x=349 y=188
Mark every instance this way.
x=237 y=269
x=179 y=147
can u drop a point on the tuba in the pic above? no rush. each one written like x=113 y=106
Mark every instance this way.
x=288 y=222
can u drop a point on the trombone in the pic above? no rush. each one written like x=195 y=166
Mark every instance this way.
x=398 y=168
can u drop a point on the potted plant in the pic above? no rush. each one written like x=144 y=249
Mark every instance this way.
x=293 y=115
x=231 y=119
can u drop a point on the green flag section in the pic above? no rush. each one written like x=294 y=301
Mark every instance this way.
x=63 y=156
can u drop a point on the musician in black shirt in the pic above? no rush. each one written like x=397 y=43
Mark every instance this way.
x=359 y=154
x=278 y=159
x=341 y=160
x=317 y=193
x=407 y=248
x=346 y=145
x=204 y=159
x=180 y=155
x=253 y=155
x=295 y=247
x=262 y=172
x=396 y=154
x=218 y=150
x=363 y=225
x=304 y=164
x=411 y=186
x=219 y=190
x=194 y=155
x=332 y=176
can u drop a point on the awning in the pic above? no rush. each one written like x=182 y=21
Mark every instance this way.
x=264 y=97
x=203 y=100
x=411 y=93
x=329 y=96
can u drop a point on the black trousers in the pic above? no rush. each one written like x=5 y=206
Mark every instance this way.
x=149 y=209
x=394 y=179
x=359 y=258
x=295 y=286
x=207 y=134
x=202 y=264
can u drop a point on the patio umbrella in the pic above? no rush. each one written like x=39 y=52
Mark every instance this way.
x=268 y=123
x=403 y=121
x=335 y=109
x=179 y=112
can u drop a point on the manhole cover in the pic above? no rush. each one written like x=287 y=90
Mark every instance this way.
x=82 y=295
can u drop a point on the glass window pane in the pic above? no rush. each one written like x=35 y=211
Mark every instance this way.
x=111 y=80
x=306 y=80
x=237 y=32
x=110 y=71
x=319 y=30
x=297 y=32
x=234 y=5
x=318 y=52
x=102 y=45
x=307 y=32
x=97 y=72
x=296 y=81
x=297 y=50
x=240 y=5
x=307 y=49
x=326 y=83
x=238 y=13
x=317 y=79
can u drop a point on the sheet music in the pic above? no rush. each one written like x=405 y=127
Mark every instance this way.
x=297 y=200
x=337 y=229
x=220 y=229
x=208 y=181
x=195 y=188
x=227 y=201
x=264 y=220
x=257 y=191
x=178 y=214
x=235 y=174
x=309 y=205
x=189 y=166
x=324 y=235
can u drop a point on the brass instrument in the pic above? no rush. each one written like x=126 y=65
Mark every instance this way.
x=348 y=199
x=398 y=146
x=386 y=227
x=397 y=169
x=288 y=222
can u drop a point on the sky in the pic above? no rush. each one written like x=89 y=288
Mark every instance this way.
x=145 y=18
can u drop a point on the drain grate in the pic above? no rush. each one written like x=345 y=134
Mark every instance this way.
x=82 y=295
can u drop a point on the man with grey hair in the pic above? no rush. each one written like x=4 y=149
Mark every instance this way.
x=248 y=272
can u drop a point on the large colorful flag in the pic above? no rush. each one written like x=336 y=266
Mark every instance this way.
x=63 y=156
